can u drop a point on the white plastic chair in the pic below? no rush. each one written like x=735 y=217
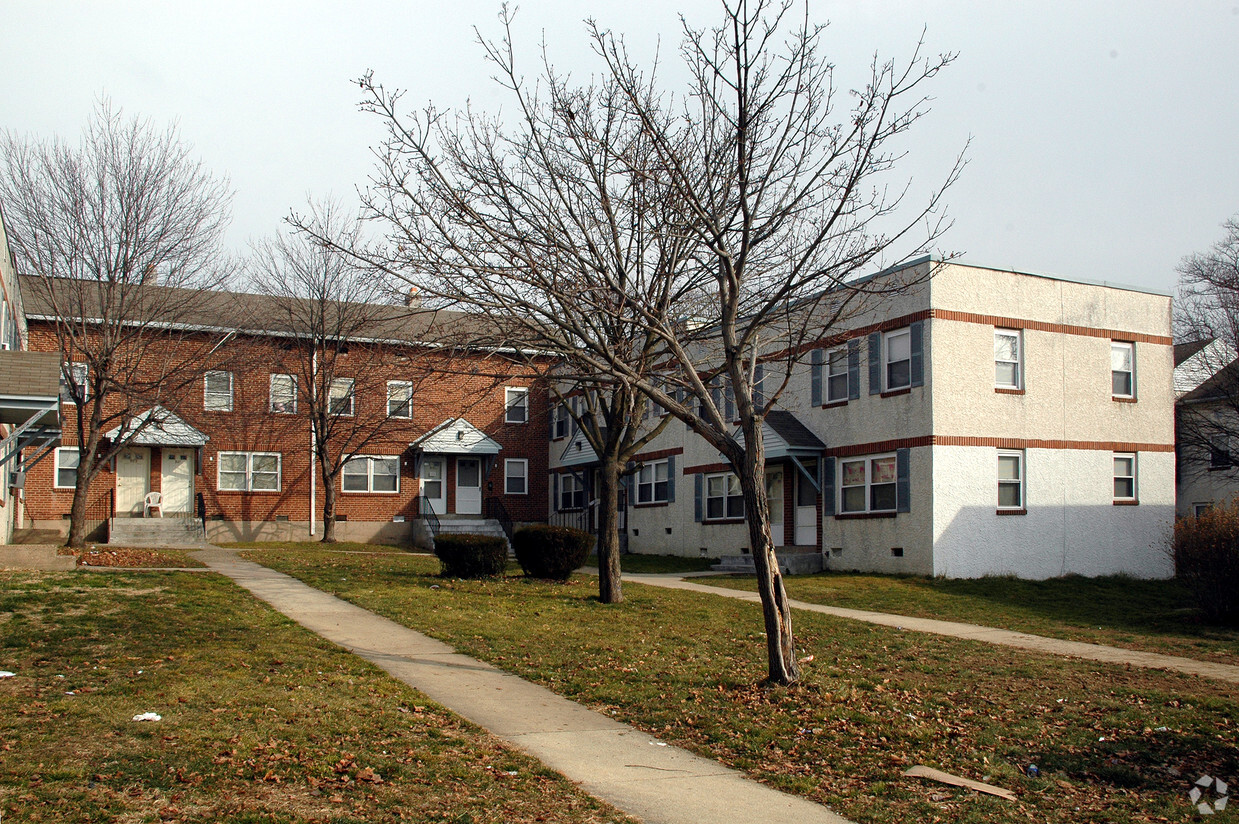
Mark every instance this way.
x=153 y=500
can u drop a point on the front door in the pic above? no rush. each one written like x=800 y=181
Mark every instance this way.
x=434 y=490
x=176 y=480
x=806 y=507
x=133 y=480
x=468 y=486
x=774 y=496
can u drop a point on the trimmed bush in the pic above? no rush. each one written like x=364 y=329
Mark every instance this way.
x=1206 y=558
x=471 y=556
x=551 y=552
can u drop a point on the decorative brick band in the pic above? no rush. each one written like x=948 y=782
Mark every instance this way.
x=714 y=467
x=658 y=453
x=1043 y=326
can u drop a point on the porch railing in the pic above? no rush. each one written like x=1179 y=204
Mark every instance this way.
x=427 y=513
x=495 y=510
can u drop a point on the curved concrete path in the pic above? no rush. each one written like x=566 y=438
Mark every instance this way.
x=623 y=766
x=990 y=635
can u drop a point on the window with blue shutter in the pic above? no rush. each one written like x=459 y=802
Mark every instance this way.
x=875 y=363
x=815 y=381
x=699 y=496
x=918 y=352
x=903 y=484
x=828 y=486
x=854 y=369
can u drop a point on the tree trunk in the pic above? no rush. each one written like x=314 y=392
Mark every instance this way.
x=609 y=587
x=329 y=510
x=777 y=614
x=77 y=512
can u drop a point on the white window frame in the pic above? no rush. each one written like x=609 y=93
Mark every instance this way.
x=1018 y=481
x=248 y=478
x=569 y=487
x=731 y=493
x=370 y=461
x=348 y=385
x=561 y=421
x=404 y=399
x=1119 y=346
x=887 y=363
x=60 y=465
x=70 y=381
x=1134 y=476
x=511 y=394
x=508 y=465
x=867 y=461
x=208 y=395
x=647 y=482
x=271 y=401
x=1018 y=363
x=840 y=354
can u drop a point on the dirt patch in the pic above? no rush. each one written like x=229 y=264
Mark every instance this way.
x=131 y=557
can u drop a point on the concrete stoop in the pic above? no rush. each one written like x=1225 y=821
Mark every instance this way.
x=790 y=563
x=471 y=526
x=35 y=557
x=156 y=532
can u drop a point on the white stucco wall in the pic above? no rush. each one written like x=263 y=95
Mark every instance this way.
x=1072 y=525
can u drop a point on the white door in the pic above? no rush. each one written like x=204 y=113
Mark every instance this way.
x=806 y=507
x=434 y=490
x=133 y=480
x=468 y=486
x=774 y=495
x=176 y=481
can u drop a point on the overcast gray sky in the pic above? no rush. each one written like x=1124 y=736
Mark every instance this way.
x=1103 y=133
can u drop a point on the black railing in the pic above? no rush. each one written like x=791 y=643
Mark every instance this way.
x=427 y=513
x=495 y=510
x=575 y=518
x=200 y=504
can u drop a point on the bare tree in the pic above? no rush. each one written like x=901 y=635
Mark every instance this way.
x=1207 y=321
x=120 y=237
x=756 y=203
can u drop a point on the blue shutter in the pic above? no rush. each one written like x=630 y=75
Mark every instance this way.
x=903 y=485
x=917 y=335
x=854 y=369
x=828 y=486
x=759 y=388
x=555 y=492
x=875 y=363
x=815 y=392
x=671 y=479
x=699 y=493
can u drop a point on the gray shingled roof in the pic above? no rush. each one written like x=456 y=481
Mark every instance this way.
x=1183 y=351
x=794 y=433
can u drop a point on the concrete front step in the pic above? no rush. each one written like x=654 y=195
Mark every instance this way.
x=790 y=563
x=156 y=532
x=471 y=526
x=30 y=556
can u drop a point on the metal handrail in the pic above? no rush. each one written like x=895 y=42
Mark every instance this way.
x=427 y=513
x=497 y=511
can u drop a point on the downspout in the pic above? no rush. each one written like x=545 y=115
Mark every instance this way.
x=313 y=374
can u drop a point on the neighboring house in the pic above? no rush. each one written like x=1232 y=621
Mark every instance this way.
x=460 y=431
x=1206 y=383
x=29 y=408
x=986 y=422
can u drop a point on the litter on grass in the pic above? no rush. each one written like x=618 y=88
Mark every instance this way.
x=920 y=771
x=148 y=716
x=7 y=674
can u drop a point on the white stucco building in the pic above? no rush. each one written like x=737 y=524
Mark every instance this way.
x=984 y=422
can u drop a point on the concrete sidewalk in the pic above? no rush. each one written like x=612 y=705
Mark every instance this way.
x=623 y=766
x=990 y=635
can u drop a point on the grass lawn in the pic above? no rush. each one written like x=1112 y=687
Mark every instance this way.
x=262 y=721
x=1158 y=616
x=1111 y=744
x=653 y=564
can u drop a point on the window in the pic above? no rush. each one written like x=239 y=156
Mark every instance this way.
x=837 y=375
x=371 y=473
x=1201 y=508
x=1124 y=477
x=217 y=392
x=898 y=347
x=652 y=482
x=1007 y=358
x=249 y=471
x=399 y=399
x=75 y=383
x=868 y=484
x=284 y=394
x=340 y=397
x=432 y=479
x=1011 y=480
x=723 y=497
x=1123 y=369
x=1219 y=452
x=516 y=405
x=67 y=461
x=516 y=476
x=561 y=421
x=571 y=492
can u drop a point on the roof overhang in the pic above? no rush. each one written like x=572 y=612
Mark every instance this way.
x=456 y=436
x=158 y=426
